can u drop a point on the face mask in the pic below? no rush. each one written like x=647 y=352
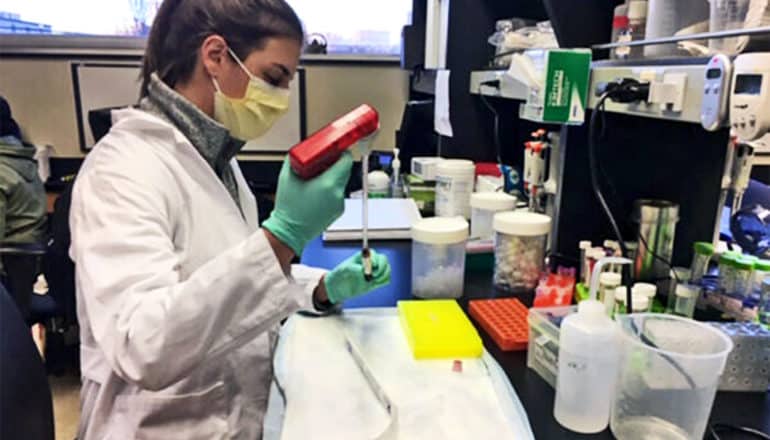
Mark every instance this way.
x=250 y=117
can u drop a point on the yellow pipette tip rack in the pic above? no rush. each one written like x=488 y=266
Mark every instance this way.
x=438 y=329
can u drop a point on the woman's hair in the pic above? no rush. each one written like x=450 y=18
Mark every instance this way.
x=181 y=26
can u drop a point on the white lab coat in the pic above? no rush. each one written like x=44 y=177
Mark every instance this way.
x=179 y=296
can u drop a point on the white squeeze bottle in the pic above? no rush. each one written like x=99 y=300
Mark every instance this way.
x=589 y=355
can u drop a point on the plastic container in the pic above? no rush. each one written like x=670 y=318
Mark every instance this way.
x=666 y=390
x=637 y=22
x=684 y=300
x=641 y=302
x=454 y=185
x=761 y=271
x=520 y=239
x=701 y=256
x=748 y=365
x=608 y=282
x=667 y=17
x=764 y=302
x=657 y=221
x=744 y=277
x=543 y=348
x=438 y=257
x=727 y=273
x=484 y=205
x=733 y=14
x=396 y=183
x=646 y=289
x=619 y=26
x=588 y=361
x=379 y=183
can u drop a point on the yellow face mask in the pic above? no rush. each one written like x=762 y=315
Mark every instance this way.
x=252 y=116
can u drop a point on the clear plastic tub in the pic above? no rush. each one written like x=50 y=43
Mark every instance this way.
x=669 y=373
x=764 y=303
x=484 y=206
x=761 y=271
x=543 y=347
x=702 y=253
x=667 y=17
x=727 y=273
x=520 y=241
x=744 y=277
x=641 y=302
x=684 y=300
x=733 y=14
x=438 y=257
x=454 y=185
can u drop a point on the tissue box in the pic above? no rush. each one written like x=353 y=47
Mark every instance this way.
x=558 y=81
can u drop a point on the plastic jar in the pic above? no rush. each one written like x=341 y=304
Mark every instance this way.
x=520 y=239
x=645 y=289
x=484 y=205
x=454 y=185
x=761 y=271
x=641 y=302
x=378 y=184
x=438 y=257
x=608 y=282
x=702 y=253
x=764 y=302
x=684 y=300
x=727 y=272
x=744 y=277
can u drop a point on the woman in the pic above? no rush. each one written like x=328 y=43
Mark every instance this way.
x=179 y=291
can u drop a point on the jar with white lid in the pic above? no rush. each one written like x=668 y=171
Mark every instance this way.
x=484 y=205
x=640 y=302
x=438 y=257
x=645 y=289
x=520 y=240
x=454 y=185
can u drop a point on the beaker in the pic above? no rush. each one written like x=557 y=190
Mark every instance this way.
x=669 y=373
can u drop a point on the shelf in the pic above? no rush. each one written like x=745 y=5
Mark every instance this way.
x=509 y=88
x=603 y=72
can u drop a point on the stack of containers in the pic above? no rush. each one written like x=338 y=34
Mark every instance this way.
x=438 y=257
x=520 y=240
x=454 y=186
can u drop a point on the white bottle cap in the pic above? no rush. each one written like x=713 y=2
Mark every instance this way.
x=455 y=168
x=526 y=224
x=647 y=289
x=493 y=201
x=440 y=230
x=640 y=302
x=609 y=278
x=637 y=9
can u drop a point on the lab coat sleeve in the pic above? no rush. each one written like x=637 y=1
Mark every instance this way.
x=153 y=326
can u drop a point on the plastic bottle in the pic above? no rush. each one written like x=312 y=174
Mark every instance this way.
x=588 y=361
x=396 y=186
x=378 y=184
x=619 y=26
x=637 y=22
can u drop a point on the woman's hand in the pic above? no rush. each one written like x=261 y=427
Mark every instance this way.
x=305 y=208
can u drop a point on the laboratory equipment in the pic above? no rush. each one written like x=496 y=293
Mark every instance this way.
x=454 y=185
x=619 y=26
x=520 y=239
x=657 y=221
x=727 y=272
x=669 y=372
x=588 y=361
x=438 y=329
x=322 y=148
x=734 y=14
x=646 y=289
x=764 y=303
x=438 y=257
x=484 y=205
x=585 y=269
x=750 y=96
x=534 y=167
x=742 y=163
x=761 y=271
x=744 y=277
x=504 y=319
x=716 y=89
x=366 y=257
x=422 y=192
x=608 y=282
x=378 y=184
x=684 y=299
x=667 y=17
x=748 y=365
x=425 y=167
x=543 y=348
x=637 y=22
x=396 y=183
x=555 y=289
x=701 y=256
x=640 y=302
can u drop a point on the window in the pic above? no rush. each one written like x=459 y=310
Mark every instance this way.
x=350 y=26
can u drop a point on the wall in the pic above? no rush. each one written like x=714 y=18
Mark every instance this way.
x=41 y=94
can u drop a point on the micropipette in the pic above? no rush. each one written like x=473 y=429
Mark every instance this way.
x=366 y=256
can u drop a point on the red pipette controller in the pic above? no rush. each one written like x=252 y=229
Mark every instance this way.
x=318 y=152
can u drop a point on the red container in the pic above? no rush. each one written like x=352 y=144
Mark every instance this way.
x=318 y=152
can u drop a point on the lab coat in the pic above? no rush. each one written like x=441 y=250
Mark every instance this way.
x=179 y=292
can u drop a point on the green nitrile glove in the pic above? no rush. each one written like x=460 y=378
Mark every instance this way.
x=305 y=208
x=347 y=280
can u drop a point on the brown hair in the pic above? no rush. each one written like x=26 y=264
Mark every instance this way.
x=180 y=27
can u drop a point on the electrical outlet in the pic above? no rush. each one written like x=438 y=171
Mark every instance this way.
x=670 y=92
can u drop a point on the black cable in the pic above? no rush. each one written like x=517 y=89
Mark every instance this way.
x=714 y=428
x=496 y=128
